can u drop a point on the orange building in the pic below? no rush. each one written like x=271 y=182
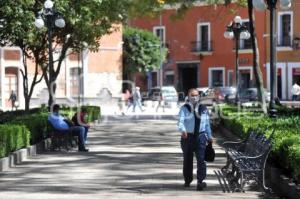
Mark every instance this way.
x=199 y=55
x=288 y=49
x=95 y=76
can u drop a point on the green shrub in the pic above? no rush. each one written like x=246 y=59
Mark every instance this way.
x=37 y=125
x=284 y=148
x=294 y=160
x=12 y=138
x=286 y=138
x=11 y=115
x=94 y=113
x=21 y=128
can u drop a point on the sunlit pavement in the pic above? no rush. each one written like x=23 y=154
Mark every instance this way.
x=138 y=158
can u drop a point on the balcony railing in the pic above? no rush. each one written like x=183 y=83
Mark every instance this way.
x=201 y=46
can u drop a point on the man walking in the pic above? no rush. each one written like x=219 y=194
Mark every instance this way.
x=193 y=123
x=13 y=99
x=137 y=99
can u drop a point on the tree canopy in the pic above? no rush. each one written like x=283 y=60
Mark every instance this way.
x=142 y=51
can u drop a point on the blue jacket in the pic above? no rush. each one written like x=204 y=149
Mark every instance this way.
x=58 y=121
x=186 y=121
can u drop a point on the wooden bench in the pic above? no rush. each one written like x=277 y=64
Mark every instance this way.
x=61 y=138
x=247 y=160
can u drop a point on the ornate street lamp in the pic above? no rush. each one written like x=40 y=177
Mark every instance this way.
x=51 y=18
x=237 y=31
x=262 y=5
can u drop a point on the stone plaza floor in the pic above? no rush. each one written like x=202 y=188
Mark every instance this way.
x=129 y=158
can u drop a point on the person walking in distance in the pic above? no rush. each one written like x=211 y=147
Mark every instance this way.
x=161 y=103
x=13 y=99
x=295 y=91
x=193 y=123
x=137 y=99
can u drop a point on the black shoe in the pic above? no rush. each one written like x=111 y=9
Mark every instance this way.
x=201 y=186
x=83 y=149
x=187 y=184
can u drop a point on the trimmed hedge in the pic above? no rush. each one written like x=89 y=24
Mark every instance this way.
x=286 y=141
x=37 y=125
x=11 y=115
x=22 y=129
x=94 y=112
x=12 y=138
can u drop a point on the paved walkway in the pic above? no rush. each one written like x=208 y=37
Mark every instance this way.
x=136 y=158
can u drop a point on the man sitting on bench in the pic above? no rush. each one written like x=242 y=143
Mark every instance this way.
x=60 y=123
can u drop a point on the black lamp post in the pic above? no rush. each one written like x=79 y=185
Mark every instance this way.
x=51 y=18
x=271 y=5
x=237 y=31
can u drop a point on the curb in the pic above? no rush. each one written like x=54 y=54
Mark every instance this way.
x=19 y=156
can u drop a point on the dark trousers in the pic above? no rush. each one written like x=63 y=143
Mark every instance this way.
x=194 y=144
x=86 y=129
x=295 y=97
x=80 y=132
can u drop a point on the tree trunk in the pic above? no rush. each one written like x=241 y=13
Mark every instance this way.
x=27 y=103
x=26 y=91
x=256 y=67
x=53 y=74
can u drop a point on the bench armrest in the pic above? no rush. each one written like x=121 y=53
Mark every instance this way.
x=249 y=157
x=234 y=145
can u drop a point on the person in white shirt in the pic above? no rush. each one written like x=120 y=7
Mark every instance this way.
x=295 y=91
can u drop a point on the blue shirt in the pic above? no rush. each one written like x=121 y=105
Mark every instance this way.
x=58 y=121
x=186 y=122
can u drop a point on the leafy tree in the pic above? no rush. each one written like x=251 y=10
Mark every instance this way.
x=17 y=29
x=142 y=51
x=86 y=22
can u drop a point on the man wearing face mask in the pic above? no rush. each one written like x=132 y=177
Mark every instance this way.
x=193 y=123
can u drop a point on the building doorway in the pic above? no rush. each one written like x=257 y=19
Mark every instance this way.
x=187 y=76
x=245 y=78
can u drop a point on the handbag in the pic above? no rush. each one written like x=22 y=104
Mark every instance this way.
x=209 y=153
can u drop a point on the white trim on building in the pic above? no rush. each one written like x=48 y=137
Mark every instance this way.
x=283 y=67
x=247 y=68
x=199 y=32
x=279 y=29
x=13 y=64
x=210 y=70
x=290 y=67
x=163 y=28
